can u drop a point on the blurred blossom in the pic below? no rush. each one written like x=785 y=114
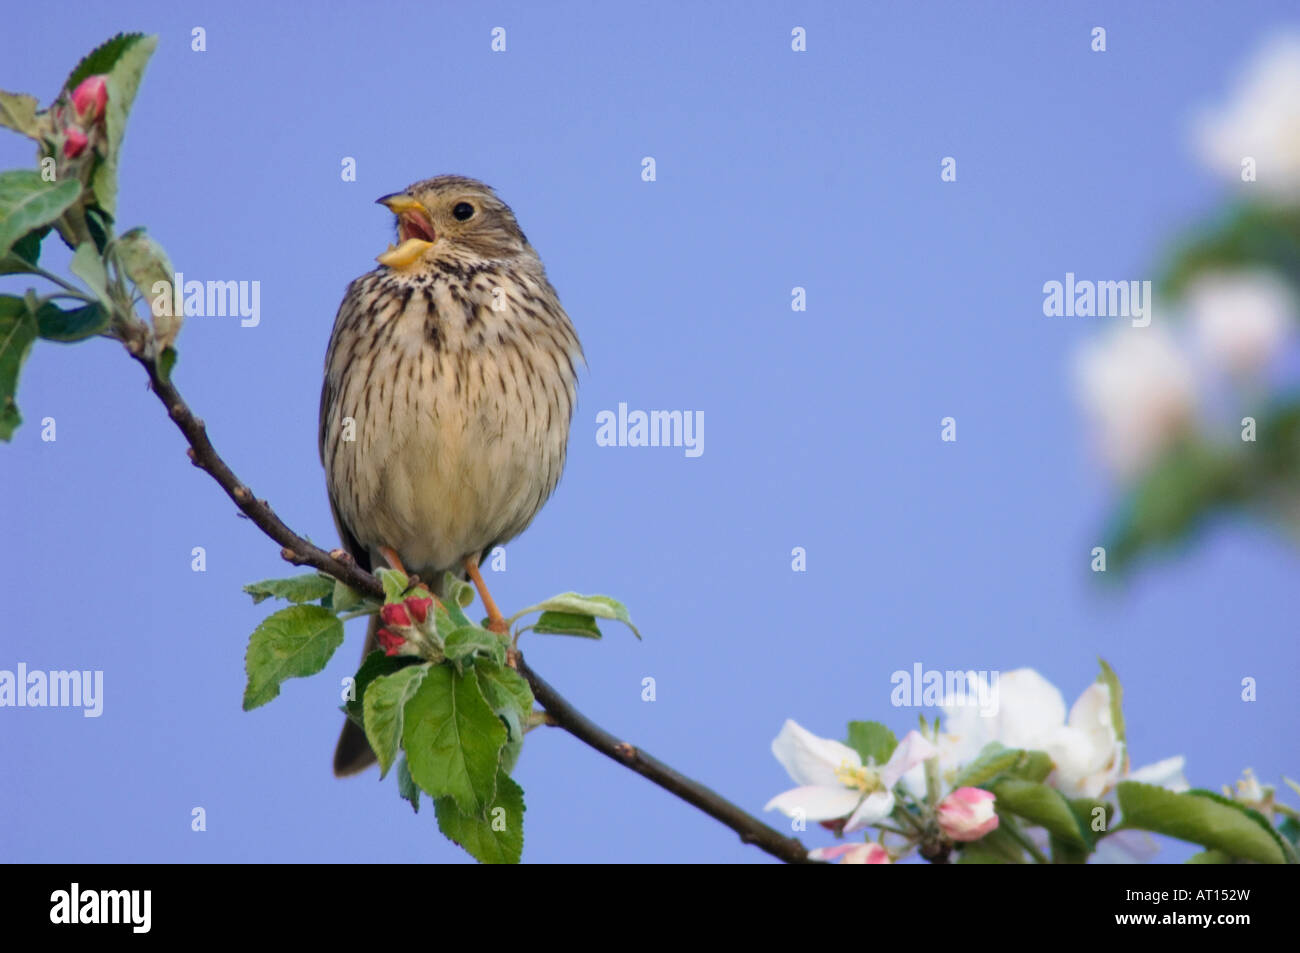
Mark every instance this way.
x=1241 y=319
x=1138 y=388
x=1087 y=754
x=1261 y=121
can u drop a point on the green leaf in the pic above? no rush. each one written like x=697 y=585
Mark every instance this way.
x=102 y=58
x=385 y=700
x=122 y=79
x=1202 y=818
x=292 y=643
x=305 y=588
x=996 y=761
x=167 y=361
x=75 y=324
x=467 y=641
x=345 y=598
x=453 y=739
x=18 y=112
x=601 y=607
x=566 y=623
x=510 y=697
x=17 y=333
x=1044 y=806
x=873 y=742
x=1211 y=857
x=456 y=590
x=28 y=202
x=395 y=584
x=147 y=265
x=995 y=847
x=408 y=789
x=89 y=267
x=373 y=666
x=22 y=258
x=1111 y=681
x=497 y=836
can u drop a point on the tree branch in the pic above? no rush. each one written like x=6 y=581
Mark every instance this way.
x=338 y=564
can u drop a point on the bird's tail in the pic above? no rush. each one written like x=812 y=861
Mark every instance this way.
x=352 y=754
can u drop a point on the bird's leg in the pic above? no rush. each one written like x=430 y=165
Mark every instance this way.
x=496 y=621
x=393 y=560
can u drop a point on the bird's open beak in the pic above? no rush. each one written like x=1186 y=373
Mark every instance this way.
x=414 y=229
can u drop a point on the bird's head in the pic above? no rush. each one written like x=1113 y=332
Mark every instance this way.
x=448 y=218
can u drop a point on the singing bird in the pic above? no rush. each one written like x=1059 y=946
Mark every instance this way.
x=450 y=382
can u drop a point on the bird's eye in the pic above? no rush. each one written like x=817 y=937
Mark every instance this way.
x=463 y=211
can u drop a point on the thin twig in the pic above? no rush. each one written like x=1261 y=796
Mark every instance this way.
x=300 y=552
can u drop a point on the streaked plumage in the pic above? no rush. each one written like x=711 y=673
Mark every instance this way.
x=456 y=366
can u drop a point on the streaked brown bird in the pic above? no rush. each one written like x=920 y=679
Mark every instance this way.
x=450 y=382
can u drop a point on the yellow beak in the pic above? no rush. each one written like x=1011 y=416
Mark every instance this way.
x=409 y=252
x=400 y=202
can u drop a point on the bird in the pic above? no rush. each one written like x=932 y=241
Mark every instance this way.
x=449 y=389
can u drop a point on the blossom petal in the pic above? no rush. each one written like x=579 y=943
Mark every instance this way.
x=910 y=752
x=815 y=803
x=810 y=760
x=1167 y=774
x=875 y=807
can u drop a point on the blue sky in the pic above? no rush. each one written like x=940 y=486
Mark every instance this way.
x=775 y=169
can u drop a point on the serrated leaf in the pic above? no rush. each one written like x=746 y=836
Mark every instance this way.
x=512 y=699
x=497 y=837
x=307 y=587
x=467 y=641
x=407 y=788
x=102 y=58
x=384 y=702
x=453 y=739
x=123 y=80
x=292 y=643
x=566 y=623
x=18 y=331
x=374 y=665
x=75 y=324
x=1200 y=818
x=873 y=742
x=1045 y=806
x=18 y=112
x=89 y=267
x=601 y=607
x=28 y=202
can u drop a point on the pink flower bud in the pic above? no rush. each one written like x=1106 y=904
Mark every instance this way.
x=419 y=608
x=391 y=643
x=74 y=143
x=90 y=98
x=967 y=814
x=395 y=614
x=852 y=854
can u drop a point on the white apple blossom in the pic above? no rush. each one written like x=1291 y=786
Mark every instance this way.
x=1138 y=388
x=833 y=781
x=853 y=854
x=1241 y=319
x=1087 y=755
x=1261 y=122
